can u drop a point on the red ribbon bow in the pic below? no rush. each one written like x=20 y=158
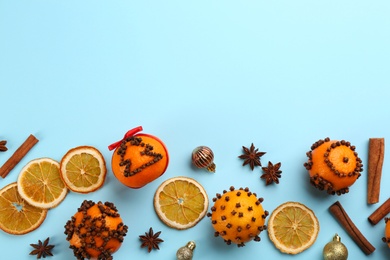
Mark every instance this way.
x=128 y=134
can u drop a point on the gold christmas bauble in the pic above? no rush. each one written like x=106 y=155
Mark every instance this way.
x=335 y=250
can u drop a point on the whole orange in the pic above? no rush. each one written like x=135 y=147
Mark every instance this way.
x=95 y=231
x=139 y=160
x=386 y=238
x=238 y=216
x=333 y=165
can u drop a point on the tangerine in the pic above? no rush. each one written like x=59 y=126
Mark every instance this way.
x=333 y=165
x=95 y=231
x=238 y=216
x=139 y=160
x=386 y=238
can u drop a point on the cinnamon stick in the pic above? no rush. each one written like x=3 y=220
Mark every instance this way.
x=339 y=213
x=376 y=152
x=380 y=213
x=18 y=155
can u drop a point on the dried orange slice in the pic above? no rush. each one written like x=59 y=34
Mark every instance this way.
x=40 y=184
x=181 y=202
x=17 y=217
x=293 y=227
x=83 y=169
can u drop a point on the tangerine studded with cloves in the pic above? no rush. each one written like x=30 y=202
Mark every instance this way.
x=148 y=151
x=238 y=216
x=139 y=160
x=386 y=238
x=95 y=231
x=333 y=165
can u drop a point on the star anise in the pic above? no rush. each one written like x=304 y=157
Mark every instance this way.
x=251 y=156
x=151 y=240
x=3 y=148
x=42 y=249
x=272 y=173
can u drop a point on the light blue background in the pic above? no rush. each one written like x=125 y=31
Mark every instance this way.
x=280 y=74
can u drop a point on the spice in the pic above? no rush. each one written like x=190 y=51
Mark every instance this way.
x=3 y=148
x=376 y=154
x=386 y=239
x=151 y=240
x=148 y=151
x=238 y=216
x=272 y=173
x=18 y=155
x=333 y=165
x=339 y=213
x=42 y=249
x=130 y=139
x=95 y=231
x=251 y=156
x=380 y=213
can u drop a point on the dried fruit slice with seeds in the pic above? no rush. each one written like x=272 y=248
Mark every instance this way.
x=181 y=202
x=17 y=217
x=293 y=227
x=40 y=184
x=83 y=169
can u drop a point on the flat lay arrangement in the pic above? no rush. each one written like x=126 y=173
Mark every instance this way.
x=194 y=130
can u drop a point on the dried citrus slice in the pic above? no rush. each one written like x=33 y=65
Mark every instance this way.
x=17 y=217
x=181 y=202
x=293 y=227
x=83 y=169
x=40 y=184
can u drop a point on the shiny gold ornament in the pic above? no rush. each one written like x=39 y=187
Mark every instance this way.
x=202 y=157
x=335 y=250
x=186 y=252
